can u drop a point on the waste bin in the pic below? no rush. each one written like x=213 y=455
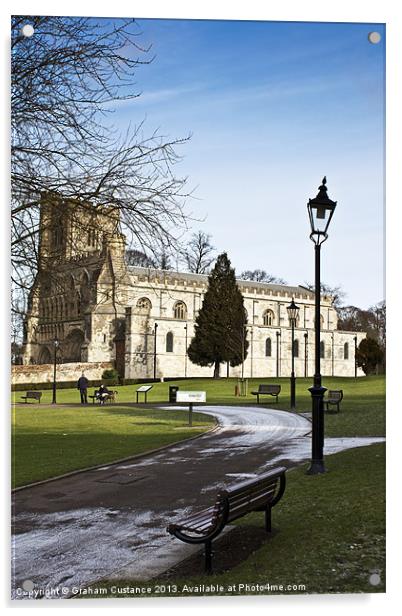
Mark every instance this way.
x=173 y=393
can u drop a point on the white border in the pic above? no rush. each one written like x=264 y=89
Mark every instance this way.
x=291 y=10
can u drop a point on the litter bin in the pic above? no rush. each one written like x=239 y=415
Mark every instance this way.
x=173 y=393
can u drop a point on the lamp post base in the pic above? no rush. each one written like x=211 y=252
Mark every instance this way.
x=316 y=468
x=317 y=435
x=293 y=392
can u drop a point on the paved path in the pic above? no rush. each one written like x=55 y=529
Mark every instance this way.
x=112 y=520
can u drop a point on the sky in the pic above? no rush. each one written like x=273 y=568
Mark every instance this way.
x=272 y=107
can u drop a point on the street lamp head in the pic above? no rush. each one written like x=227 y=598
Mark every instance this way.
x=320 y=212
x=293 y=311
x=56 y=342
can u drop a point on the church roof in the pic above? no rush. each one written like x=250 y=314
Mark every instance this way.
x=203 y=279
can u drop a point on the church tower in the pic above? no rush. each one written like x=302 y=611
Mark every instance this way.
x=81 y=259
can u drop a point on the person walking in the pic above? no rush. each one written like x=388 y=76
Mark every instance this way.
x=82 y=385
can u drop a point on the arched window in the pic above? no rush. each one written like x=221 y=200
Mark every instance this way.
x=346 y=350
x=268 y=347
x=295 y=348
x=92 y=238
x=144 y=304
x=322 y=349
x=85 y=287
x=78 y=302
x=180 y=311
x=169 y=342
x=58 y=234
x=268 y=317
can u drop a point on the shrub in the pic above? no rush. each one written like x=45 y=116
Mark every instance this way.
x=110 y=373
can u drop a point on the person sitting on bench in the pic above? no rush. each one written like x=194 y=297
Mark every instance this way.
x=102 y=394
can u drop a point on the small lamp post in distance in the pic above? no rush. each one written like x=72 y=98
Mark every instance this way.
x=55 y=347
x=155 y=335
x=293 y=311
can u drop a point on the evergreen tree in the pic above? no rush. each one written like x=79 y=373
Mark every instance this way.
x=369 y=355
x=220 y=327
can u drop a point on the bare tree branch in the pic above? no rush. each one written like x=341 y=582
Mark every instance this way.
x=66 y=81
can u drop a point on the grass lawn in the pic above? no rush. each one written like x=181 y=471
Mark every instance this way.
x=49 y=441
x=362 y=409
x=330 y=535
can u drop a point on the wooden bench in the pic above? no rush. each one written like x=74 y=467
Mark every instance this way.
x=34 y=395
x=111 y=397
x=334 y=398
x=259 y=494
x=267 y=390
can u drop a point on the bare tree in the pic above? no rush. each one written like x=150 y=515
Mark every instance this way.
x=139 y=258
x=199 y=253
x=259 y=275
x=336 y=293
x=67 y=80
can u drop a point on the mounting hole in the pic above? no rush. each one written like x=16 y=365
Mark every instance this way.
x=28 y=585
x=374 y=579
x=374 y=37
x=27 y=30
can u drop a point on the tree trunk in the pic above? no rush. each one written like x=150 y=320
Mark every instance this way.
x=216 y=370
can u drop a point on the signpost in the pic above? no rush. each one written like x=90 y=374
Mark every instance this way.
x=190 y=397
x=144 y=389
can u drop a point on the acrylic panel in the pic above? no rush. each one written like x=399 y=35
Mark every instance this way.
x=198 y=307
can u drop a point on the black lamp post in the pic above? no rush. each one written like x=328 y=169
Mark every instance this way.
x=293 y=311
x=55 y=346
x=185 y=352
x=305 y=353
x=278 y=352
x=355 y=339
x=320 y=211
x=155 y=332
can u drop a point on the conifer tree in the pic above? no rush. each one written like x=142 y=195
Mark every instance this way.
x=220 y=327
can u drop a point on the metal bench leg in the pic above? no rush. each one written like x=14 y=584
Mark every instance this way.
x=208 y=556
x=268 y=525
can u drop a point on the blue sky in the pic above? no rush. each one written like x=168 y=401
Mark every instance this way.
x=273 y=107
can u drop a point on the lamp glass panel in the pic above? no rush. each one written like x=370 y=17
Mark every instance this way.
x=320 y=217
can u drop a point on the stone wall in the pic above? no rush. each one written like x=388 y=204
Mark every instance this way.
x=43 y=373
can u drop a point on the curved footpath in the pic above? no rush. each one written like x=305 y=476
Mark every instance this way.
x=111 y=521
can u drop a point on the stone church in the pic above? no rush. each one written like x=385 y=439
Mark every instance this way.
x=102 y=310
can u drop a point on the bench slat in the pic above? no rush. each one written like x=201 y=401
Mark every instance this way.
x=250 y=497
x=250 y=505
x=245 y=497
x=199 y=519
